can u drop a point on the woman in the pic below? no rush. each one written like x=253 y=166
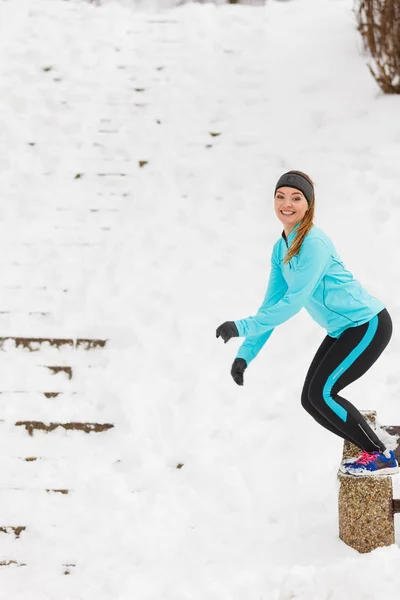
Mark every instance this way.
x=306 y=271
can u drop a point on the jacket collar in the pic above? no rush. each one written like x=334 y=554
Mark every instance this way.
x=292 y=233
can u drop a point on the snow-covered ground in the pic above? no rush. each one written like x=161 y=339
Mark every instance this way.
x=138 y=155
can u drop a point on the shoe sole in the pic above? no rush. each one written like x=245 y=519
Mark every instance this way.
x=388 y=471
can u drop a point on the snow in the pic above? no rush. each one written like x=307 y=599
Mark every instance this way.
x=123 y=218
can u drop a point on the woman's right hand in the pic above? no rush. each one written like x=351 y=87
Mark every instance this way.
x=238 y=368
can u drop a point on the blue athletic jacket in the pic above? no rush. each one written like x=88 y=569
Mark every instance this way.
x=315 y=279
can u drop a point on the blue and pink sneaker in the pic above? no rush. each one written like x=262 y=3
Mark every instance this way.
x=367 y=463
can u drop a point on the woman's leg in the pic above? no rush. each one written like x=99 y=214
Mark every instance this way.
x=327 y=343
x=349 y=357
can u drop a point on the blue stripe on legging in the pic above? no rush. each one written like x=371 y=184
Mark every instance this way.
x=348 y=361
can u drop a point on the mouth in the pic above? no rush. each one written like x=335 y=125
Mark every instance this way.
x=287 y=213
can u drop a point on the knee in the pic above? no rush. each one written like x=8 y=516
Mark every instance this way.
x=306 y=400
x=315 y=397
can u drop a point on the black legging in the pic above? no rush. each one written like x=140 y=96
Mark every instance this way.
x=337 y=363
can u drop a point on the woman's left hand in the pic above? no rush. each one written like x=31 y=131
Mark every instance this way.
x=227 y=330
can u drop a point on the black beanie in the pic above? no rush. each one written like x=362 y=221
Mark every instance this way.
x=297 y=181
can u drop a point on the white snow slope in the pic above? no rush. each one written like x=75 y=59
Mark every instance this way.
x=125 y=218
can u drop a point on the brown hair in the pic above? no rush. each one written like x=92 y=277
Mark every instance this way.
x=305 y=224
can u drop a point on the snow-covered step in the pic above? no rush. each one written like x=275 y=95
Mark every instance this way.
x=59 y=411
x=36 y=344
x=34 y=325
x=65 y=354
x=69 y=472
x=16 y=441
x=15 y=510
x=48 y=378
x=34 y=426
x=28 y=398
x=23 y=319
x=11 y=562
x=57 y=406
x=43 y=531
x=15 y=531
x=43 y=354
x=34 y=399
x=37 y=276
x=16 y=548
x=67 y=568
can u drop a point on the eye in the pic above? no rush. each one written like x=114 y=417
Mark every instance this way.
x=297 y=198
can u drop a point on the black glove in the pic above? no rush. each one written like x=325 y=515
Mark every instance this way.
x=227 y=330
x=238 y=368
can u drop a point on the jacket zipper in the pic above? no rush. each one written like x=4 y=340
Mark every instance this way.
x=290 y=266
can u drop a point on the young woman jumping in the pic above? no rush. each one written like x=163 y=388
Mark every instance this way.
x=306 y=271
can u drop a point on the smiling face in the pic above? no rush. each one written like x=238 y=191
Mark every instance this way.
x=292 y=201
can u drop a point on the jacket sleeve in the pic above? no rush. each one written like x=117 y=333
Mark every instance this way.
x=312 y=265
x=275 y=291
